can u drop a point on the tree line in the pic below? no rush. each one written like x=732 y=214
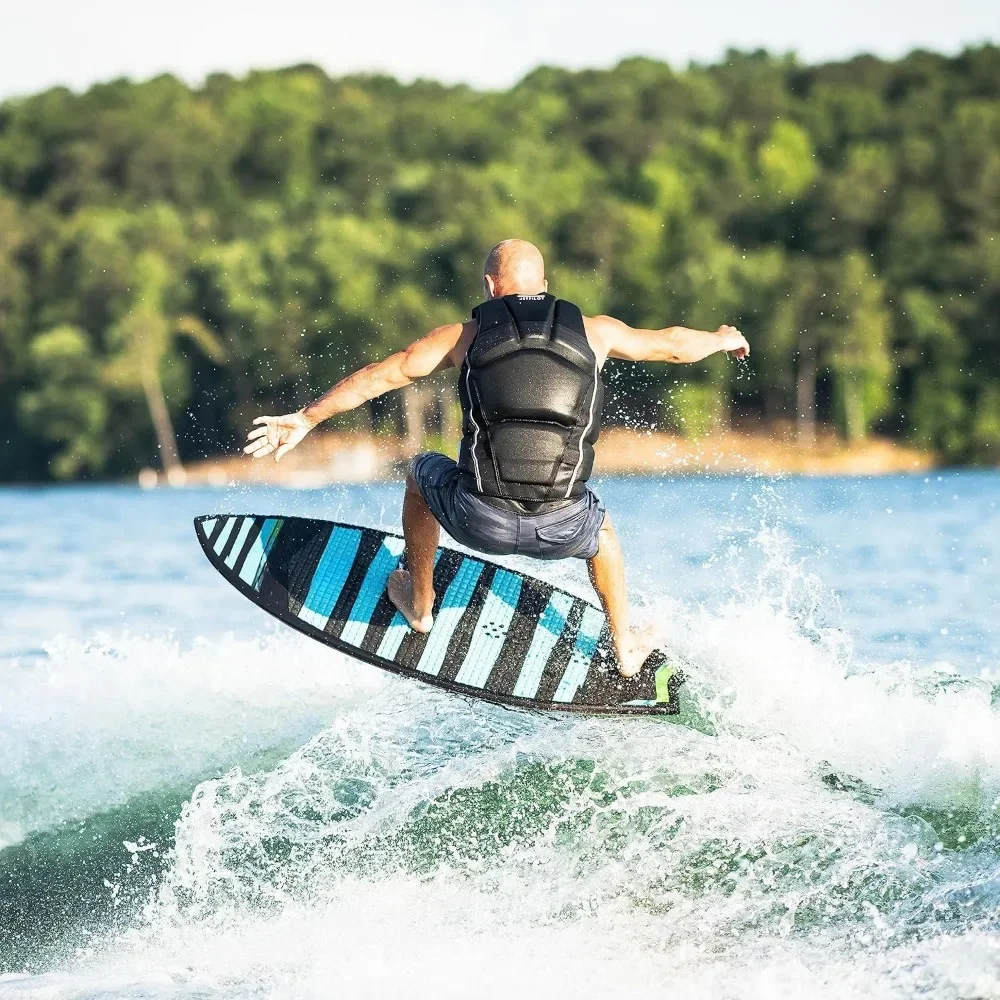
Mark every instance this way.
x=175 y=260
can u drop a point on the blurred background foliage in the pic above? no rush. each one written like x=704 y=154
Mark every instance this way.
x=174 y=261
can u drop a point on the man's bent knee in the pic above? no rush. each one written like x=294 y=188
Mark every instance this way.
x=411 y=479
x=606 y=532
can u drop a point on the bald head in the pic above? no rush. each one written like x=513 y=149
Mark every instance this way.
x=514 y=267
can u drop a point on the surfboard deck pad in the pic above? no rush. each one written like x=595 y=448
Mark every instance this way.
x=498 y=634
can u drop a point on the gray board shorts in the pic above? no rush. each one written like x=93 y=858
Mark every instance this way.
x=566 y=532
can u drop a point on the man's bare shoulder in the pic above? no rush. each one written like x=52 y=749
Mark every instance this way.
x=602 y=333
x=465 y=338
x=442 y=348
x=603 y=324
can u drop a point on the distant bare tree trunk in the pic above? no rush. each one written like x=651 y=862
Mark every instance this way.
x=162 y=425
x=805 y=395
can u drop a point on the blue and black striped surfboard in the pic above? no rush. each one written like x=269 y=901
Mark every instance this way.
x=498 y=634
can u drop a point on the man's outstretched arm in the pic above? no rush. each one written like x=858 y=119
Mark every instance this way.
x=611 y=338
x=438 y=350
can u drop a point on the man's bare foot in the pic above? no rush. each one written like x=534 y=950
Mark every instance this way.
x=632 y=649
x=400 y=590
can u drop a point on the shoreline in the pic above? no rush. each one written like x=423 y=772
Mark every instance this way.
x=336 y=457
x=340 y=458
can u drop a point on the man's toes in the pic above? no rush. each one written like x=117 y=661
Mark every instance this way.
x=400 y=592
x=630 y=660
x=630 y=669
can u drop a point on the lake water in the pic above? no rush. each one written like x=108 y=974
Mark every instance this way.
x=198 y=802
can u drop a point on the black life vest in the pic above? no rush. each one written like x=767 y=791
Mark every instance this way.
x=532 y=397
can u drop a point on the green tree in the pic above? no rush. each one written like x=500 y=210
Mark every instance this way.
x=66 y=404
x=860 y=356
x=143 y=340
x=199 y=252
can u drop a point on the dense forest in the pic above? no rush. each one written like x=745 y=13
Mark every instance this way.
x=183 y=259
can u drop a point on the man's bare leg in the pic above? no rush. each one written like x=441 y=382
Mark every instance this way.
x=412 y=589
x=607 y=574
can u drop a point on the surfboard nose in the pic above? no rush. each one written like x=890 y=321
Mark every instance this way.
x=213 y=530
x=204 y=525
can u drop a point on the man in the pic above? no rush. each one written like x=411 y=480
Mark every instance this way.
x=531 y=394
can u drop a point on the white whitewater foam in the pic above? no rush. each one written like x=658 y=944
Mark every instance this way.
x=766 y=665
x=420 y=845
x=96 y=723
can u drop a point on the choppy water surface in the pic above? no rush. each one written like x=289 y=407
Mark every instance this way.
x=195 y=802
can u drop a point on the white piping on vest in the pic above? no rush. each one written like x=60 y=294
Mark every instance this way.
x=475 y=432
x=586 y=431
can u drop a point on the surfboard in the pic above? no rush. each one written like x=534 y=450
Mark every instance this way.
x=498 y=634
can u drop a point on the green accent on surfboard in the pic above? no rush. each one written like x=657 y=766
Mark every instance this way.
x=663 y=676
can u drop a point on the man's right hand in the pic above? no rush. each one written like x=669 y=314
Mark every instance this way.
x=733 y=342
x=277 y=434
